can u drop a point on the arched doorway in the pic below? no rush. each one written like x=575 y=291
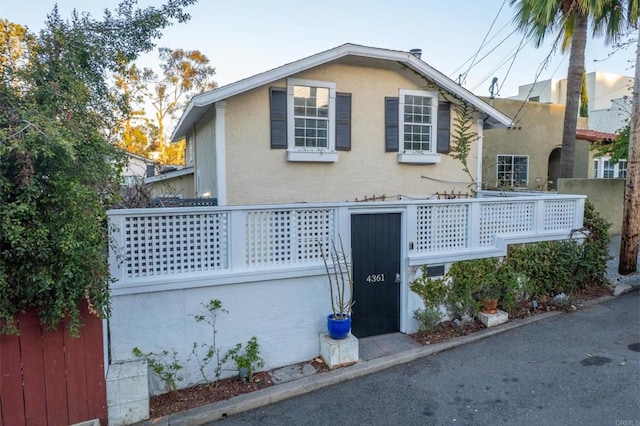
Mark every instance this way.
x=554 y=169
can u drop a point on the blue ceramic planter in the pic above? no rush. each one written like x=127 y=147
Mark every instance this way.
x=338 y=328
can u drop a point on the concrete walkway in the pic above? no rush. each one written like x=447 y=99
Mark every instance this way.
x=377 y=353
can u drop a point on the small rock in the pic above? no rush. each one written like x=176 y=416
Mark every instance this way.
x=560 y=299
x=319 y=360
x=622 y=289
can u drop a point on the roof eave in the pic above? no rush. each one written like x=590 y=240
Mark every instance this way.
x=205 y=100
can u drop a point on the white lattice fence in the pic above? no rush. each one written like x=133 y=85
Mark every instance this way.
x=276 y=237
x=559 y=214
x=220 y=245
x=175 y=243
x=505 y=218
x=442 y=227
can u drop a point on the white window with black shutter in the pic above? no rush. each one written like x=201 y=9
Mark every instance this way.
x=311 y=121
x=417 y=126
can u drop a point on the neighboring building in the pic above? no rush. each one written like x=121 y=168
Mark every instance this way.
x=350 y=123
x=602 y=167
x=528 y=154
x=137 y=169
x=609 y=111
x=602 y=89
x=172 y=182
x=613 y=118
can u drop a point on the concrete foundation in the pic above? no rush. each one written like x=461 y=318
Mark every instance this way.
x=491 y=320
x=128 y=392
x=337 y=353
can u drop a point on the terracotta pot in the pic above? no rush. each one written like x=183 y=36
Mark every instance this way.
x=490 y=306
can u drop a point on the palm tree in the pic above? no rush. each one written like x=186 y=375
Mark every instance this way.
x=570 y=19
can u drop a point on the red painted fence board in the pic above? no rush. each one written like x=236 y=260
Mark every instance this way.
x=54 y=378
x=35 y=407
x=11 y=396
x=48 y=377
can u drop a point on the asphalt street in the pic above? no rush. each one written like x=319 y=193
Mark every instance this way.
x=575 y=369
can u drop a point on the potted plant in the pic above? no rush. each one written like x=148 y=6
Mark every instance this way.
x=477 y=280
x=340 y=290
x=492 y=275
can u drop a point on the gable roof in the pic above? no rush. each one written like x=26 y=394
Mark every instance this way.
x=199 y=104
x=595 y=136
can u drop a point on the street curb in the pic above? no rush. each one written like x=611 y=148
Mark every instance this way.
x=238 y=404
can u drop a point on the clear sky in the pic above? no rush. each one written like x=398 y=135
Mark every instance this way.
x=245 y=37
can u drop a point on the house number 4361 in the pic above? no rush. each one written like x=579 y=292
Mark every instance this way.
x=375 y=278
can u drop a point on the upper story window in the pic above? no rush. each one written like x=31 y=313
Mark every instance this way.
x=311 y=120
x=513 y=170
x=418 y=119
x=311 y=116
x=418 y=124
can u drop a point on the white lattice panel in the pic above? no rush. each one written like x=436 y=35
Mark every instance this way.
x=287 y=236
x=442 y=227
x=505 y=218
x=315 y=231
x=170 y=244
x=559 y=214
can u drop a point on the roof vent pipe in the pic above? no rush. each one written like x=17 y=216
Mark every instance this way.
x=416 y=52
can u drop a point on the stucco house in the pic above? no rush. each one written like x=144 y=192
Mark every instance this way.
x=527 y=155
x=349 y=123
x=287 y=153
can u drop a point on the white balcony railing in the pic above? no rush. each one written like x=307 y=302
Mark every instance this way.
x=159 y=248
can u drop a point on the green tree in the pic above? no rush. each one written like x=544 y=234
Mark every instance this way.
x=569 y=19
x=618 y=149
x=57 y=174
x=185 y=73
x=584 y=96
x=15 y=43
x=134 y=133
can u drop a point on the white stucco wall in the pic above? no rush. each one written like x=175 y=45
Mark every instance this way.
x=611 y=119
x=602 y=88
x=257 y=174
x=286 y=315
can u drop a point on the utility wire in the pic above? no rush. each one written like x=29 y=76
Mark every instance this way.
x=472 y=56
x=496 y=46
x=484 y=39
x=512 y=54
x=515 y=55
x=542 y=66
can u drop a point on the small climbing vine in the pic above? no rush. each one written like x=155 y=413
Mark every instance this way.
x=462 y=136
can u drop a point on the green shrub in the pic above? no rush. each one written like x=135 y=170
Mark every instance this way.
x=250 y=359
x=428 y=319
x=164 y=365
x=432 y=291
x=595 y=249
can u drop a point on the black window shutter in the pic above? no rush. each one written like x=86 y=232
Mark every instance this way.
x=278 y=100
x=343 y=121
x=391 y=125
x=444 y=128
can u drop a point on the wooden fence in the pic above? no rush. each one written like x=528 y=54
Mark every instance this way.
x=50 y=378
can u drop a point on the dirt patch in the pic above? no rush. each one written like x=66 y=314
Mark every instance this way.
x=447 y=330
x=195 y=396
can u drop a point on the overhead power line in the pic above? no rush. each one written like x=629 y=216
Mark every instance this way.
x=484 y=40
